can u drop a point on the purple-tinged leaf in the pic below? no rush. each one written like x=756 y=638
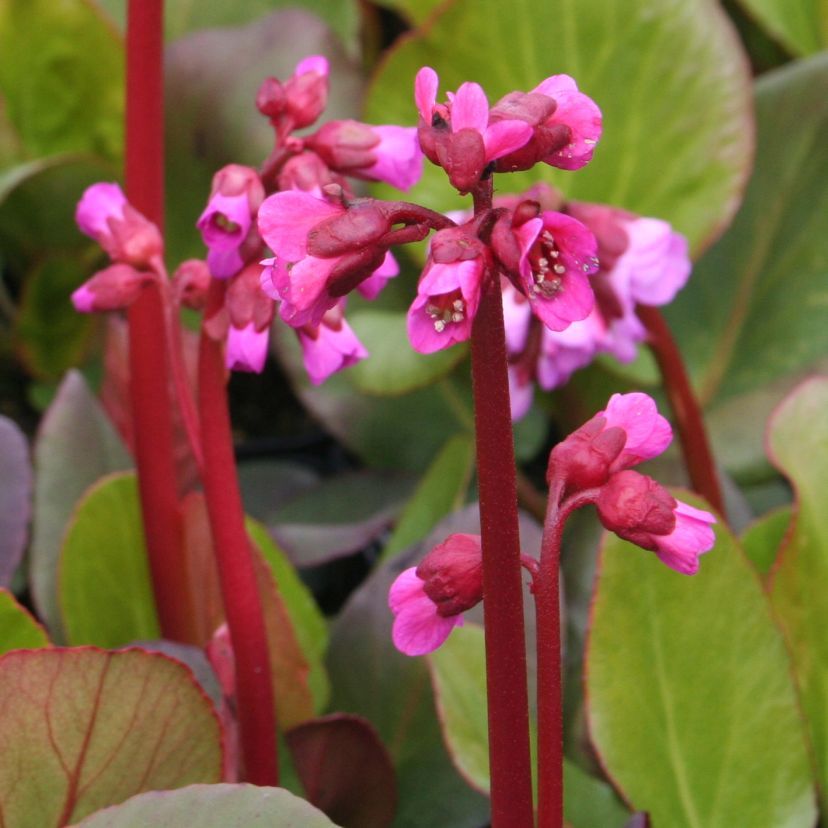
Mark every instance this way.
x=15 y=498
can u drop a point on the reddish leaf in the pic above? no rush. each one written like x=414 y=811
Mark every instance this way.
x=345 y=770
x=84 y=728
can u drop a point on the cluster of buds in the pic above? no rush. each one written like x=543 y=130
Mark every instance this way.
x=593 y=465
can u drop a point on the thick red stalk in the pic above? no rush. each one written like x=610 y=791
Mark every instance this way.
x=148 y=370
x=695 y=446
x=511 y=779
x=239 y=588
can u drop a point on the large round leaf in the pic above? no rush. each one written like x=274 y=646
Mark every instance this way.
x=798 y=443
x=82 y=729
x=690 y=699
x=669 y=77
x=18 y=629
x=801 y=25
x=212 y=806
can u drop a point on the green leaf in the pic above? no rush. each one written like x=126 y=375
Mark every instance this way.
x=309 y=625
x=589 y=802
x=763 y=538
x=761 y=290
x=800 y=25
x=82 y=729
x=798 y=437
x=12 y=177
x=690 y=700
x=211 y=115
x=441 y=490
x=369 y=677
x=416 y=11
x=669 y=77
x=212 y=806
x=76 y=445
x=61 y=73
x=105 y=587
x=394 y=367
x=18 y=629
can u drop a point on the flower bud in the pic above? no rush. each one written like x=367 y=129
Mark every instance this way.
x=584 y=459
x=636 y=507
x=452 y=574
x=114 y=288
x=190 y=283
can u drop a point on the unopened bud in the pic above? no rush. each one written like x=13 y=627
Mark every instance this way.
x=453 y=574
x=271 y=99
x=114 y=288
x=307 y=91
x=190 y=283
x=584 y=458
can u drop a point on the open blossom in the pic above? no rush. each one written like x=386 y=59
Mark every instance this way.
x=428 y=600
x=329 y=346
x=448 y=293
x=458 y=135
x=640 y=510
x=246 y=348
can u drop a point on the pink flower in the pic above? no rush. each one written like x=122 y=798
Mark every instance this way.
x=378 y=153
x=428 y=601
x=330 y=346
x=557 y=254
x=458 y=136
x=418 y=629
x=449 y=291
x=373 y=285
x=640 y=510
x=300 y=100
x=647 y=433
x=246 y=348
x=320 y=247
x=104 y=214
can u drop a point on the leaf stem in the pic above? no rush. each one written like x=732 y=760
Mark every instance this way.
x=239 y=588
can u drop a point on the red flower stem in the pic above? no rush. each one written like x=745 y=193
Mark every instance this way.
x=550 y=676
x=148 y=370
x=506 y=684
x=695 y=445
x=239 y=588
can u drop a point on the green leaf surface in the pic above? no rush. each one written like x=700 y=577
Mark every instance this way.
x=369 y=677
x=105 y=588
x=415 y=11
x=798 y=440
x=211 y=115
x=83 y=729
x=690 y=699
x=61 y=73
x=761 y=291
x=669 y=77
x=800 y=25
x=589 y=802
x=18 y=629
x=763 y=538
x=441 y=490
x=76 y=445
x=394 y=367
x=212 y=806
x=12 y=177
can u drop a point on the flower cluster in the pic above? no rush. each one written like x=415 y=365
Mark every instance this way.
x=592 y=465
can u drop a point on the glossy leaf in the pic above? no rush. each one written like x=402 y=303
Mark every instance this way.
x=76 y=445
x=690 y=700
x=798 y=434
x=211 y=115
x=763 y=539
x=760 y=290
x=83 y=728
x=212 y=806
x=15 y=497
x=669 y=78
x=18 y=629
x=394 y=367
x=61 y=74
x=345 y=770
x=440 y=491
x=801 y=25
x=591 y=803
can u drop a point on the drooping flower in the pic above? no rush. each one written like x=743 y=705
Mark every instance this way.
x=642 y=511
x=428 y=601
x=458 y=136
x=329 y=346
x=246 y=348
x=647 y=433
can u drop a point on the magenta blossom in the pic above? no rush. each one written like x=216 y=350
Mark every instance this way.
x=329 y=346
x=246 y=348
x=458 y=136
x=640 y=510
x=647 y=433
x=557 y=255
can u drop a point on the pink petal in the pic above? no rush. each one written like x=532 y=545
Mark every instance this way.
x=331 y=350
x=425 y=92
x=399 y=157
x=572 y=303
x=234 y=210
x=648 y=433
x=521 y=393
x=504 y=137
x=99 y=203
x=305 y=299
x=312 y=63
x=693 y=536
x=83 y=299
x=470 y=108
x=657 y=260
x=246 y=348
x=286 y=218
x=224 y=263
x=371 y=287
x=517 y=315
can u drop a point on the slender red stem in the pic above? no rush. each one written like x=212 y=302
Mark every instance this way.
x=511 y=780
x=148 y=369
x=239 y=588
x=695 y=446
